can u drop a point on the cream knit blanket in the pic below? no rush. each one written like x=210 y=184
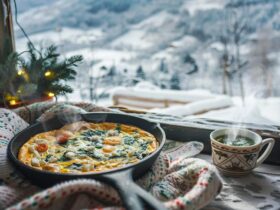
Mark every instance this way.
x=179 y=182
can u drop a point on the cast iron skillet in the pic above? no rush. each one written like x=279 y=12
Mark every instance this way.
x=121 y=179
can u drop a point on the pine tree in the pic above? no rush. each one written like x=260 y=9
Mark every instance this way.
x=163 y=67
x=140 y=73
x=188 y=59
x=175 y=82
x=112 y=71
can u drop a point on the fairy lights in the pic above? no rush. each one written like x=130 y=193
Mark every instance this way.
x=50 y=94
x=21 y=72
x=48 y=73
x=12 y=102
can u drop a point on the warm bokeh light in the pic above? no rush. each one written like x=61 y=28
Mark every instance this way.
x=48 y=73
x=13 y=102
x=21 y=72
x=50 y=94
x=24 y=74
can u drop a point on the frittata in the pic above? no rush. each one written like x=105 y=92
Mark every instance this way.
x=82 y=147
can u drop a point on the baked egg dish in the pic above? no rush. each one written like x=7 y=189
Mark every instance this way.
x=82 y=147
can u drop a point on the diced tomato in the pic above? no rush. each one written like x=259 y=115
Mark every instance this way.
x=42 y=147
x=62 y=139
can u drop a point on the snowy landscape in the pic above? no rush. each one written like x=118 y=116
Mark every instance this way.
x=223 y=51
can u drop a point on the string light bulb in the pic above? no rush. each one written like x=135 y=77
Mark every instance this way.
x=51 y=94
x=21 y=72
x=48 y=73
x=13 y=102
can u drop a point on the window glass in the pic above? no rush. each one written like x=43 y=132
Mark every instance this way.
x=214 y=59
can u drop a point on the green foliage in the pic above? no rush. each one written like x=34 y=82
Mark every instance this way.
x=112 y=71
x=140 y=73
x=40 y=72
x=163 y=67
x=175 y=82
x=189 y=59
x=40 y=62
x=8 y=74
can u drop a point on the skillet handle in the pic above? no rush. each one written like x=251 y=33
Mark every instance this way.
x=131 y=194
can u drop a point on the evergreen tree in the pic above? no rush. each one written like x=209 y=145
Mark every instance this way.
x=140 y=73
x=163 y=67
x=175 y=82
x=112 y=71
x=188 y=59
x=103 y=68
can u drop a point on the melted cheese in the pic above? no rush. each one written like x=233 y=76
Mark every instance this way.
x=88 y=147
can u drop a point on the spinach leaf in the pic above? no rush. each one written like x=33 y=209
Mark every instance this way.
x=63 y=157
x=98 y=146
x=76 y=166
x=129 y=140
x=90 y=133
x=143 y=145
x=138 y=154
x=119 y=153
x=92 y=154
x=48 y=157
x=72 y=142
x=95 y=155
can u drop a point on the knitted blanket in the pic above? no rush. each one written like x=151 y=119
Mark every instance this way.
x=179 y=181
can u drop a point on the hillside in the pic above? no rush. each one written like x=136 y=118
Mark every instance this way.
x=182 y=36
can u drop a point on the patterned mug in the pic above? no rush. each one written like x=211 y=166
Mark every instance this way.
x=238 y=160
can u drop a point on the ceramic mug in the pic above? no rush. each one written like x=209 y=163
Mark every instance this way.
x=238 y=160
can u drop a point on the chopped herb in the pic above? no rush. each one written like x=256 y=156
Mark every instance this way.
x=138 y=154
x=90 y=133
x=144 y=145
x=87 y=138
x=48 y=157
x=98 y=146
x=129 y=140
x=76 y=166
x=95 y=155
x=63 y=157
x=82 y=152
x=119 y=153
x=92 y=154
x=72 y=142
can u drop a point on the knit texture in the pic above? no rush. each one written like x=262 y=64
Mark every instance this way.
x=185 y=183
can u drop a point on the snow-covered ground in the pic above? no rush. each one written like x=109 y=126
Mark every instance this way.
x=200 y=5
x=260 y=111
x=162 y=37
x=212 y=106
